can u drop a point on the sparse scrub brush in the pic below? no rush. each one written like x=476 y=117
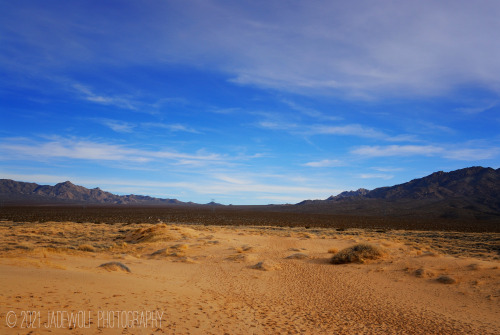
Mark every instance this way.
x=357 y=254
x=86 y=247
x=333 y=250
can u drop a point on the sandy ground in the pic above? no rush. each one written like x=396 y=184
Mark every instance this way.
x=242 y=280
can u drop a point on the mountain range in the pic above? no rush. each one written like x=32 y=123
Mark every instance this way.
x=20 y=192
x=468 y=194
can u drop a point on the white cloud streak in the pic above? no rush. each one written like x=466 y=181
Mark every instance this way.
x=170 y=127
x=88 y=150
x=116 y=125
x=376 y=176
x=87 y=94
x=325 y=163
x=477 y=109
x=464 y=154
x=347 y=130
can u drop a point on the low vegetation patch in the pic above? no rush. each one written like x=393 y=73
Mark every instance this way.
x=266 y=266
x=444 y=279
x=156 y=233
x=333 y=250
x=357 y=254
x=86 y=247
x=424 y=273
x=115 y=266
x=298 y=255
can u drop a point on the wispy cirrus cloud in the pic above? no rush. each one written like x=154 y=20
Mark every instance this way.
x=73 y=148
x=346 y=130
x=275 y=121
x=278 y=125
x=174 y=127
x=477 y=109
x=116 y=125
x=88 y=94
x=310 y=112
x=397 y=150
x=472 y=154
x=431 y=127
x=376 y=176
x=325 y=163
x=120 y=126
x=450 y=152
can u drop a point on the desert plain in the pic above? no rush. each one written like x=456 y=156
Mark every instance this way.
x=177 y=278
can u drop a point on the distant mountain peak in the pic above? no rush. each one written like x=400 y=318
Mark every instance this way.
x=360 y=192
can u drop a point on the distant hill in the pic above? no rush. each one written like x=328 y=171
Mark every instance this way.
x=20 y=192
x=468 y=194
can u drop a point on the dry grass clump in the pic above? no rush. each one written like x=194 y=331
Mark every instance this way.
x=242 y=258
x=23 y=246
x=333 y=250
x=298 y=255
x=86 y=247
x=212 y=242
x=429 y=254
x=159 y=232
x=166 y=252
x=185 y=259
x=424 y=273
x=474 y=266
x=444 y=279
x=266 y=266
x=115 y=266
x=244 y=248
x=357 y=254
x=180 y=246
x=160 y=252
x=188 y=232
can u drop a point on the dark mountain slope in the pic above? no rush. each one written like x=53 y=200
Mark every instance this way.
x=474 y=182
x=466 y=194
x=20 y=192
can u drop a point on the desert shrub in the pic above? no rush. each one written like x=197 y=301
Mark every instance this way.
x=298 y=255
x=244 y=248
x=423 y=273
x=357 y=254
x=444 y=279
x=156 y=233
x=115 y=266
x=333 y=250
x=266 y=266
x=474 y=266
x=86 y=247
x=180 y=246
x=242 y=258
x=160 y=252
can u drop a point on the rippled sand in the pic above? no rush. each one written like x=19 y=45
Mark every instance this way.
x=194 y=279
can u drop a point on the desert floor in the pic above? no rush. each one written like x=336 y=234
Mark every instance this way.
x=195 y=279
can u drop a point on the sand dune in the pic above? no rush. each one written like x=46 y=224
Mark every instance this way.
x=243 y=280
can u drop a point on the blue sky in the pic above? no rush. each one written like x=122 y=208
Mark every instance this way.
x=246 y=102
